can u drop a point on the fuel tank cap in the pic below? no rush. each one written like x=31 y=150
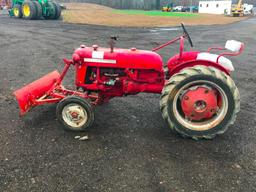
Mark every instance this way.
x=133 y=49
x=95 y=47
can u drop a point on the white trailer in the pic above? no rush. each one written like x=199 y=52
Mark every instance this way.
x=215 y=7
x=248 y=9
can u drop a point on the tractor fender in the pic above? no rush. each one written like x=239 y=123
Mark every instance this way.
x=173 y=69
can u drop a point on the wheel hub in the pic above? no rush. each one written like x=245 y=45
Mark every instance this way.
x=26 y=10
x=74 y=115
x=199 y=103
x=200 y=106
x=16 y=12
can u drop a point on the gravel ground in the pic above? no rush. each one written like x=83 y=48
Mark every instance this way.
x=130 y=148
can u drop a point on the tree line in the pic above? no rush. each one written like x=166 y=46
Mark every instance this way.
x=145 y=4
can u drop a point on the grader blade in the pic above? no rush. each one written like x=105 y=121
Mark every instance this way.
x=27 y=95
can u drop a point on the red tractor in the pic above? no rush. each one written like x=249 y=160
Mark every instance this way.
x=198 y=97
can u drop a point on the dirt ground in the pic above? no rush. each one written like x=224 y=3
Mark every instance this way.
x=100 y=15
x=130 y=148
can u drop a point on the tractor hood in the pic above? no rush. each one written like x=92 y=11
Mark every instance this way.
x=119 y=58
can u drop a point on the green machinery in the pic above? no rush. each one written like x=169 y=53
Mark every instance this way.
x=35 y=9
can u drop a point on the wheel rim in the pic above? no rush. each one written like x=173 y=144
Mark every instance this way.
x=26 y=10
x=200 y=123
x=16 y=12
x=74 y=115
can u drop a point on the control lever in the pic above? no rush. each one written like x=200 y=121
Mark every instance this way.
x=112 y=42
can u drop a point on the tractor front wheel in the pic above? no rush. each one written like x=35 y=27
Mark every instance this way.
x=200 y=102
x=75 y=113
x=29 y=10
x=17 y=11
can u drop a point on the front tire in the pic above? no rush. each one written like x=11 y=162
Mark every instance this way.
x=200 y=102
x=75 y=113
x=17 y=11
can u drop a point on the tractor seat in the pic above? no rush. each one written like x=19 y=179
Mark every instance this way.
x=223 y=61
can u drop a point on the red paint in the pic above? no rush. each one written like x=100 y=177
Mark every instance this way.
x=28 y=94
x=199 y=104
x=226 y=53
x=191 y=63
x=125 y=58
x=101 y=75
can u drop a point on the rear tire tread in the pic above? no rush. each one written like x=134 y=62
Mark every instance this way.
x=187 y=72
x=39 y=10
x=57 y=10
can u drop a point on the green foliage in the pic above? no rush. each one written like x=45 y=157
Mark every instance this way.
x=156 y=13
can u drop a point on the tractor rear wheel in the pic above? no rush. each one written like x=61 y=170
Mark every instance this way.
x=51 y=11
x=200 y=102
x=75 y=113
x=29 y=10
x=17 y=11
x=39 y=10
x=57 y=10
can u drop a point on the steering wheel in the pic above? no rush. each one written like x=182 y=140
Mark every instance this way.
x=187 y=35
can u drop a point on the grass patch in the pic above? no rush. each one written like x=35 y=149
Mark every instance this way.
x=156 y=13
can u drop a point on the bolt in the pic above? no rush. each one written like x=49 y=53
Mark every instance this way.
x=206 y=91
x=186 y=97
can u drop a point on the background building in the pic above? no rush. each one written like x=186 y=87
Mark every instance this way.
x=146 y=4
x=215 y=7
